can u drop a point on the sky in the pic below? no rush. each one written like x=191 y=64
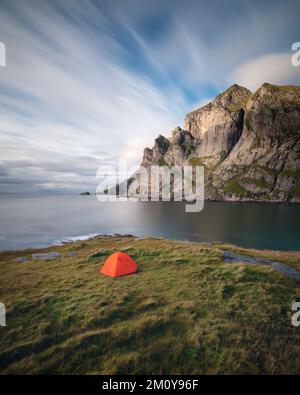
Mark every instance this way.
x=88 y=82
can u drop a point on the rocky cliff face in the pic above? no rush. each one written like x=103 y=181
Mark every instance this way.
x=248 y=142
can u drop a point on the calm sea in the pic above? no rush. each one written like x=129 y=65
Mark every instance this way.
x=36 y=221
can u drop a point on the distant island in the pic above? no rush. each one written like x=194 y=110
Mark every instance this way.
x=249 y=144
x=85 y=193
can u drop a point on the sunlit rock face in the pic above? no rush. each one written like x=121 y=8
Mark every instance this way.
x=218 y=125
x=248 y=142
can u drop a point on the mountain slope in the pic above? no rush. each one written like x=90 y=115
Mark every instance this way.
x=248 y=142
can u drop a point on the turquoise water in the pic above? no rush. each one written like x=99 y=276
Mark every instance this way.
x=35 y=221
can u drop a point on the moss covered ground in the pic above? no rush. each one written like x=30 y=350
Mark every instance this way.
x=185 y=312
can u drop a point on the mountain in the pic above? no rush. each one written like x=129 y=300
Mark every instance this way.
x=248 y=142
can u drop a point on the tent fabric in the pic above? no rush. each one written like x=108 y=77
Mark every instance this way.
x=119 y=264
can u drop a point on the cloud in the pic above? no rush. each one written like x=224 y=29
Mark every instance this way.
x=65 y=97
x=88 y=82
x=272 y=68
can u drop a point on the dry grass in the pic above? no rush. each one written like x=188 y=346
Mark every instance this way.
x=186 y=311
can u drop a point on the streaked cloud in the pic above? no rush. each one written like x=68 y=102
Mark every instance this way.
x=88 y=82
x=272 y=68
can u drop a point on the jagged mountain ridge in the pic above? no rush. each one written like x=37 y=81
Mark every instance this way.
x=248 y=142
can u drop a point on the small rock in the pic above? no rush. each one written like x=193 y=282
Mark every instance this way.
x=46 y=256
x=127 y=248
x=22 y=259
x=232 y=257
x=72 y=253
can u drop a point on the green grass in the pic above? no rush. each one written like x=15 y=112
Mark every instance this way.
x=291 y=173
x=295 y=191
x=162 y=162
x=185 y=311
x=187 y=149
x=281 y=90
x=233 y=186
x=195 y=161
x=258 y=182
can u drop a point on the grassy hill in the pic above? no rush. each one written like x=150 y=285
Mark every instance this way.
x=186 y=311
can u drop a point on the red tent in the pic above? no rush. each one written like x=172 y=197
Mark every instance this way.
x=119 y=264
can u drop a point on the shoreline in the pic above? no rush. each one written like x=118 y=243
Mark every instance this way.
x=88 y=237
x=284 y=257
x=93 y=194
